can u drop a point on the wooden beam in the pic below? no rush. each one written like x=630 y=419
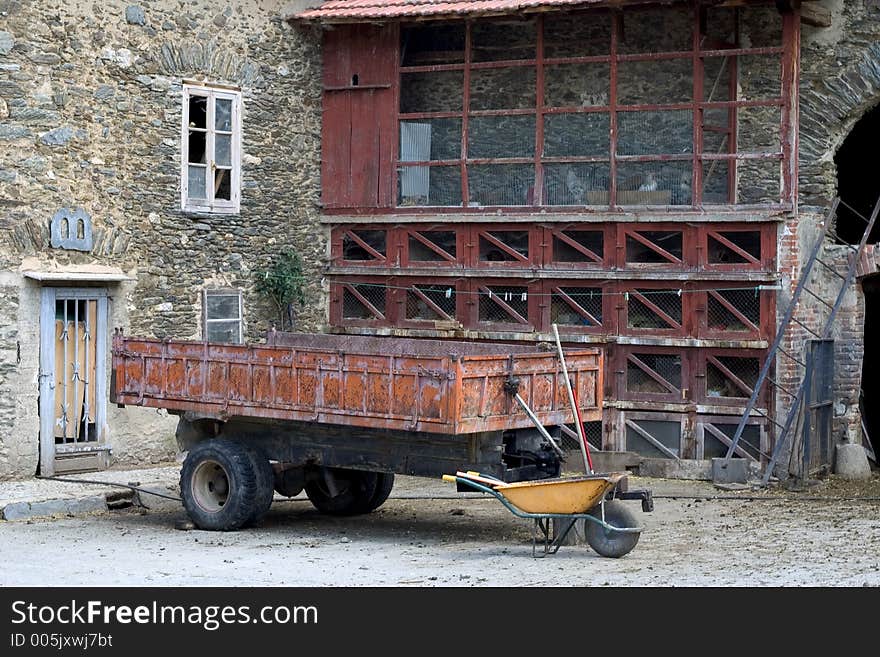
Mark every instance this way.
x=815 y=15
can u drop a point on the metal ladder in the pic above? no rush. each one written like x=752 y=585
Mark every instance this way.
x=797 y=396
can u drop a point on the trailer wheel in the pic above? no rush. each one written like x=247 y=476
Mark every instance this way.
x=218 y=485
x=383 y=490
x=608 y=542
x=355 y=491
x=265 y=479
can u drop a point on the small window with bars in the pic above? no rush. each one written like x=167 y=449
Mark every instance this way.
x=223 y=316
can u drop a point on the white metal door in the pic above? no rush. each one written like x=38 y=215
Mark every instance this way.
x=73 y=389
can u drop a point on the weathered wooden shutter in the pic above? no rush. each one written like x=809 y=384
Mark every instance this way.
x=358 y=132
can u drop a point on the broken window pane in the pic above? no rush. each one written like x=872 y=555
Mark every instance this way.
x=223 y=184
x=223 y=150
x=501 y=136
x=223 y=114
x=198 y=112
x=196 y=182
x=576 y=184
x=197 y=146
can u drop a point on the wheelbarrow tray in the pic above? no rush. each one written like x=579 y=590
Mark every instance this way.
x=562 y=495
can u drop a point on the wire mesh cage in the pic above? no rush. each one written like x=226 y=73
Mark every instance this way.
x=578 y=246
x=363 y=301
x=576 y=306
x=733 y=247
x=432 y=246
x=506 y=304
x=733 y=310
x=654 y=309
x=655 y=247
x=731 y=376
x=657 y=374
x=430 y=303
x=504 y=246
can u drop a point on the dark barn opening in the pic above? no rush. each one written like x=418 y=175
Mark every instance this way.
x=857 y=182
x=870 y=400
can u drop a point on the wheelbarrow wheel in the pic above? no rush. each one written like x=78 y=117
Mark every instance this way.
x=607 y=542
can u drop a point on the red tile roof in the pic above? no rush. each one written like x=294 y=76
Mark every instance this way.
x=353 y=10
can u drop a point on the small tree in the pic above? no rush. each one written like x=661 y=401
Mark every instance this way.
x=284 y=283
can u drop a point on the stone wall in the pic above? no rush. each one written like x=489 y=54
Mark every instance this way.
x=90 y=117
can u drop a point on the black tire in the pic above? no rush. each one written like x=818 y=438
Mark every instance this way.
x=218 y=485
x=265 y=478
x=383 y=490
x=608 y=542
x=355 y=492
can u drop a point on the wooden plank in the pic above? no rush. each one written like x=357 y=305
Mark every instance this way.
x=336 y=150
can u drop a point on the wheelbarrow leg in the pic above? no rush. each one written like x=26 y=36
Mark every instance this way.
x=551 y=546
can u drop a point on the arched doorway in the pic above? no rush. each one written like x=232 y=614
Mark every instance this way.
x=858 y=184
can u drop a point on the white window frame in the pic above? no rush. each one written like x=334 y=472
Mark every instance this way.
x=222 y=292
x=209 y=203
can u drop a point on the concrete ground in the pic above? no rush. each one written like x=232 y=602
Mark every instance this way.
x=429 y=535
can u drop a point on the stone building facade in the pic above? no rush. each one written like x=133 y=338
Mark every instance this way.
x=92 y=100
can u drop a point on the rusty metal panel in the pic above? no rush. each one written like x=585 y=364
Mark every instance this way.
x=393 y=383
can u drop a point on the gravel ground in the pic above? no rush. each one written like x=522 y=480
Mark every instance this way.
x=428 y=535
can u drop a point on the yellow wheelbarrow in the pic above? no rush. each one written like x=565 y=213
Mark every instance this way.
x=609 y=528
